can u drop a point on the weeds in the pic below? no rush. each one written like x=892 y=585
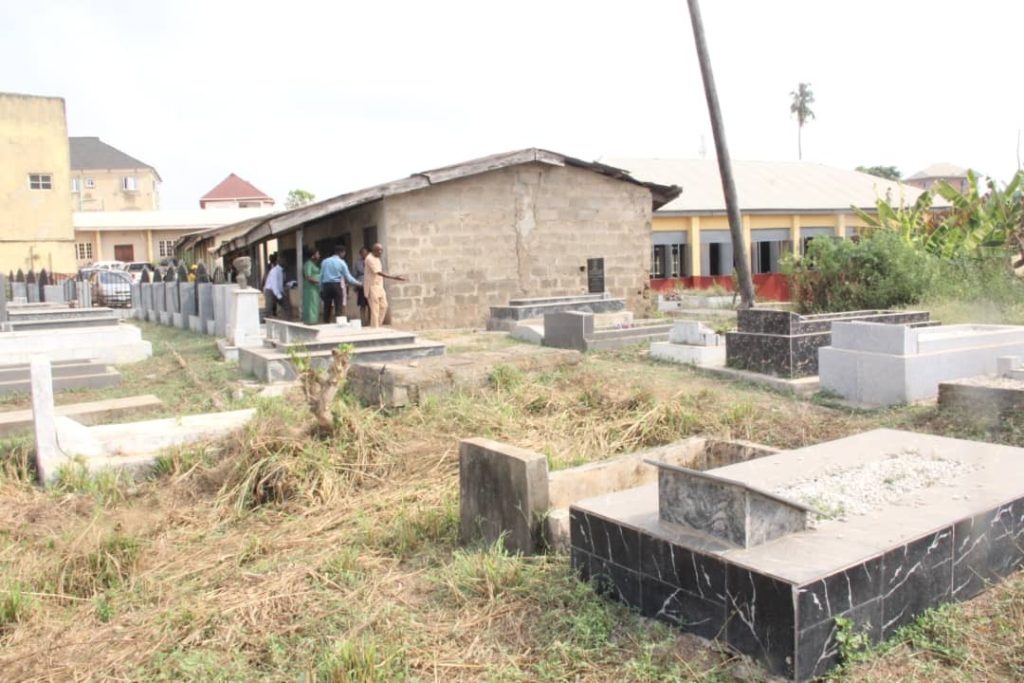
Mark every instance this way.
x=110 y=565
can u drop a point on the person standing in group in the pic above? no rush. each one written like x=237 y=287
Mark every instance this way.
x=273 y=291
x=360 y=273
x=373 y=285
x=311 y=289
x=333 y=270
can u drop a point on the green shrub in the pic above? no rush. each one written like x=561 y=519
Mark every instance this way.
x=879 y=270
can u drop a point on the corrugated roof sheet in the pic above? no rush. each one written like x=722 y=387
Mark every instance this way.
x=92 y=154
x=767 y=185
x=234 y=187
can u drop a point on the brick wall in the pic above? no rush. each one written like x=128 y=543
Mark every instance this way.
x=525 y=231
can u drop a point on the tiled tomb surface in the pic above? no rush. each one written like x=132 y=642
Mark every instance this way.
x=786 y=344
x=778 y=601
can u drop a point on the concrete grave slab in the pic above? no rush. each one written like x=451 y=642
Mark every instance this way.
x=92 y=412
x=960 y=528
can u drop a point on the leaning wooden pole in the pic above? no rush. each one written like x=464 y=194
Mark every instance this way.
x=739 y=246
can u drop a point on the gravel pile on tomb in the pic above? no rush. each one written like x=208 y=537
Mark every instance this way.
x=842 y=492
x=993 y=381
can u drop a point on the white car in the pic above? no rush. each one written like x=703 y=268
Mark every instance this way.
x=107 y=265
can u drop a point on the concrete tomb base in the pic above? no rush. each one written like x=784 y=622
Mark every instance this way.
x=880 y=365
x=577 y=330
x=498 y=483
x=987 y=399
x=14 y=421
x=504 y=318
x=113 y=344
x=693 y=343
x=134 y=446
x=784 y=344
x=398 y=383
x=916 y=521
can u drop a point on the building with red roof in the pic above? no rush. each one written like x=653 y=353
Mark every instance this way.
x=235 y=193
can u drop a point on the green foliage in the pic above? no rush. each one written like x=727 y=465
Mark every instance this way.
x=852 y=643
x=878 y=271
x=15 y=606
x=887 y=172
x=297 y=198
x=362 y=661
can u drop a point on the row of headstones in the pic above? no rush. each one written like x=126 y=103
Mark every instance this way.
x=35 y=289
x=202 y=307
x=180 y=274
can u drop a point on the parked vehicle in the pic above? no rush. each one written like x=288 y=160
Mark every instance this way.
x=107 y=265
x=111 y=288
x=135 y=269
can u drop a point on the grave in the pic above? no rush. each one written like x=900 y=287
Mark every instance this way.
x=398 y=383
x=987 y=399
x=92 y=412
x=576 y=330
x=690 y=300
x=746 y=560
x=204 y=305
x=508 y=493
x=68 y=374
x=243 y=326
x=133 y=446
x=187 y=297
x=878 y=365
x=57 y=317
x=110 y=344
x=53 y=294
x=271 y=360
x=691 y=342
x=504 y=318
x=785 y=344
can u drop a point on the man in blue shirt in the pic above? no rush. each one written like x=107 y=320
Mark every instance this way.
x=332 y=291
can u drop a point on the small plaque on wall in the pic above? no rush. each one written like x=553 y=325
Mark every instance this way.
x=595 y=275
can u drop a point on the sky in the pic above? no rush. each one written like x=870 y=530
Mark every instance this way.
x=332 y=97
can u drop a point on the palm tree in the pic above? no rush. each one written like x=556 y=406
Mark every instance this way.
x=803 y=98
x=741 y=263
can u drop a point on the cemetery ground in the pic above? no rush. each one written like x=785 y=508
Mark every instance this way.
x=277 y=556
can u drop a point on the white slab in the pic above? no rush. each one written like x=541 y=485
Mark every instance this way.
x=704 y=356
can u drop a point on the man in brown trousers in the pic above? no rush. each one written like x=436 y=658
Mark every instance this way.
x=373 y=285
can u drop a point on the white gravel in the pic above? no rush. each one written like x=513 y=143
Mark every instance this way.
x=841 y=492
x=994 y=381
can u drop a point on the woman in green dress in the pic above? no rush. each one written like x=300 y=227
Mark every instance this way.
x=311 y=289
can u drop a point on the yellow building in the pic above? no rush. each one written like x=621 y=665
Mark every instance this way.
x=35 y=219
x=103 y=178
x=783 y=205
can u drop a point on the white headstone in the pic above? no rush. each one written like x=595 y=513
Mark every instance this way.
x=48 y=454
x=245 y=318
x=694 y=333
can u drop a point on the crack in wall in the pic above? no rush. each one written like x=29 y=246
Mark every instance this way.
x=524 y=196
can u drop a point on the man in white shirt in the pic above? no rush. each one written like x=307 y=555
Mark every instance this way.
x=274 y=293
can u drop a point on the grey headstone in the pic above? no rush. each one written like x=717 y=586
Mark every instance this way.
x=145 y=278
x=503 y=493
x=3 y=299
x=19 y=290
x=188 y=302
x=136 y=296
x=204 y=291
x=20 y=277
x=568 y=330
x=53 y=294
x=173 y=298
x=169 y=274
x=202 y=275
x=182 y=273
x=222 y=308
x=218 y=276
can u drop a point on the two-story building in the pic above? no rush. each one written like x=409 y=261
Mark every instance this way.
x=35 y=219
x=103 y=178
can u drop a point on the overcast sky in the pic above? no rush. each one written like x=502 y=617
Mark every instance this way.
x=334 y=96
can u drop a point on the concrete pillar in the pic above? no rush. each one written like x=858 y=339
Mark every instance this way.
x=48 y=453
x=503 y=493
x=149 y=246
x=245 y=317
x=299 y=277
x=841 y=226
x=99 y=247
x=695 y=246
x=794 y=234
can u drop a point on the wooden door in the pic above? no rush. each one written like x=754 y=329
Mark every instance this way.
x=124 y=252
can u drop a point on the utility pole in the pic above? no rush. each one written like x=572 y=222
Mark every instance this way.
x=739 y=246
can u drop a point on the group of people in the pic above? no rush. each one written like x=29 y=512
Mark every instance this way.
x=325 y=287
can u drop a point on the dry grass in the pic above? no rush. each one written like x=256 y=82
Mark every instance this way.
x=278 y=555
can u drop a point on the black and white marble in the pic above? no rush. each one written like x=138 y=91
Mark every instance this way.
x=915 y=577
x=986 y=548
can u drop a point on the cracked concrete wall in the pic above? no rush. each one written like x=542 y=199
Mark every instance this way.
x=526 y=231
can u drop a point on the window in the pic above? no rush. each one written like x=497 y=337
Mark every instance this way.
x=658 y=261
x=165 y=248
x=76 y=185
x=84 y=250
x=40 y=181
x=128 y=184
x=90 y=183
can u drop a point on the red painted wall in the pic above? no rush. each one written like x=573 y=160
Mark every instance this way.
x=771 y=286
